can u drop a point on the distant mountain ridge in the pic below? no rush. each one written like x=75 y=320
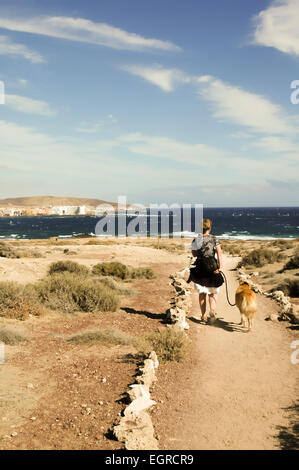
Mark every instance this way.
x=47 y=201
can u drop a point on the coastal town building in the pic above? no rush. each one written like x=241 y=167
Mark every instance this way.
x=45 y=211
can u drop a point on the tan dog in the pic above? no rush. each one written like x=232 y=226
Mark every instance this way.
x=246 y=303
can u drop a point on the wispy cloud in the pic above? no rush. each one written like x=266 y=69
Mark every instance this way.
x=10 y=48
x=238 y=106
x=87 y=127
x=277 y=144
x=164 y=147
x=164 y=78
x=83 y=30
x=28 y=105
x=277 y=26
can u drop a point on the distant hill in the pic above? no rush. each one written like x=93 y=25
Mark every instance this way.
x=46 y=201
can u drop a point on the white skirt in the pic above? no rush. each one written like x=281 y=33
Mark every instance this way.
x=206 y=290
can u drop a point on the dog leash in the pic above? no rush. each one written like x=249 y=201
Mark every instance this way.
x=224 y=277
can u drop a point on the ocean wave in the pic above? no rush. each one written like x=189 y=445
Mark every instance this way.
x=249 y=237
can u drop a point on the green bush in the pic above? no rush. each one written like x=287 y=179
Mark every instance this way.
x=68 y=266
x=122 y=271
x=293 y=263
x=168 y=343
x=18 y=301
x=70 y=292
x=261 y=257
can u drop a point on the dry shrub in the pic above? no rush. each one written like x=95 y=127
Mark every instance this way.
x=17 y=301
x=11 y=336
x=293 y=263
x=93 y=242
x=7 y=251
x=66 y=251
x=261 y=257
x=289 y=287
x=283 y=244
x=68 y=266
x=233 y=250
x=108 y=337
x=141 y=273
x=115 y=286
x=169 y=344
x=71 y=292
x=122 y=271
x=171 y=247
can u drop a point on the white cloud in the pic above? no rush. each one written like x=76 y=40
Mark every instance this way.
x=204 y=78
x=83 y=30
x=93 y=128
x=28 y=105
x=164 y=147
x=7 y=47
x=166 y=79
x=277 y=26
x=87 y=127
x=233 y=104
x=277 y=144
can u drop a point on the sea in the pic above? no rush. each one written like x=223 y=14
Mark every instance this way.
x=251 y=223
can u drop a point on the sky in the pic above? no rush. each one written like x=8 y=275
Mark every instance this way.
x=161 y=101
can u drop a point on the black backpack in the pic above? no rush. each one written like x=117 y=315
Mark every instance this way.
x=207 y=264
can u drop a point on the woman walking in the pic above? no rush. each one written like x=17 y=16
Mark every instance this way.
x=206 y=274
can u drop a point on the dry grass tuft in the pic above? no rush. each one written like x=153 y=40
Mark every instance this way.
x=68 y=266
x=71 y=292
x=108 y=337
x=11 y=336
x=18 y=301
x=122 y=271
x=168 y=343
x=261 y=257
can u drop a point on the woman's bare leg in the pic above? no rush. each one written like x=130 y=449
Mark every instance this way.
x=203 y=304
x=212 y=302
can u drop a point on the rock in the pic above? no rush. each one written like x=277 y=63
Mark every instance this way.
x=14 y=434
x=137 y=391
x=148 y=373
x=257 y=288
x=136 y=431
x=30 y=386
x=139 y=404
x=274 y=317
x=153 y=356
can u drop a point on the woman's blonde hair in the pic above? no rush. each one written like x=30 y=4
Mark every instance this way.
x=206 y=225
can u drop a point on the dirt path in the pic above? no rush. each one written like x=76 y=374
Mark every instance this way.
x=241 y=385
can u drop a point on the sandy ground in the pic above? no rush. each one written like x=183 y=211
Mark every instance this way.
x=235 y=390
x=240 y=386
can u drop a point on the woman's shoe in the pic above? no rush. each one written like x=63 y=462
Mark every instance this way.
x=204 y=318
